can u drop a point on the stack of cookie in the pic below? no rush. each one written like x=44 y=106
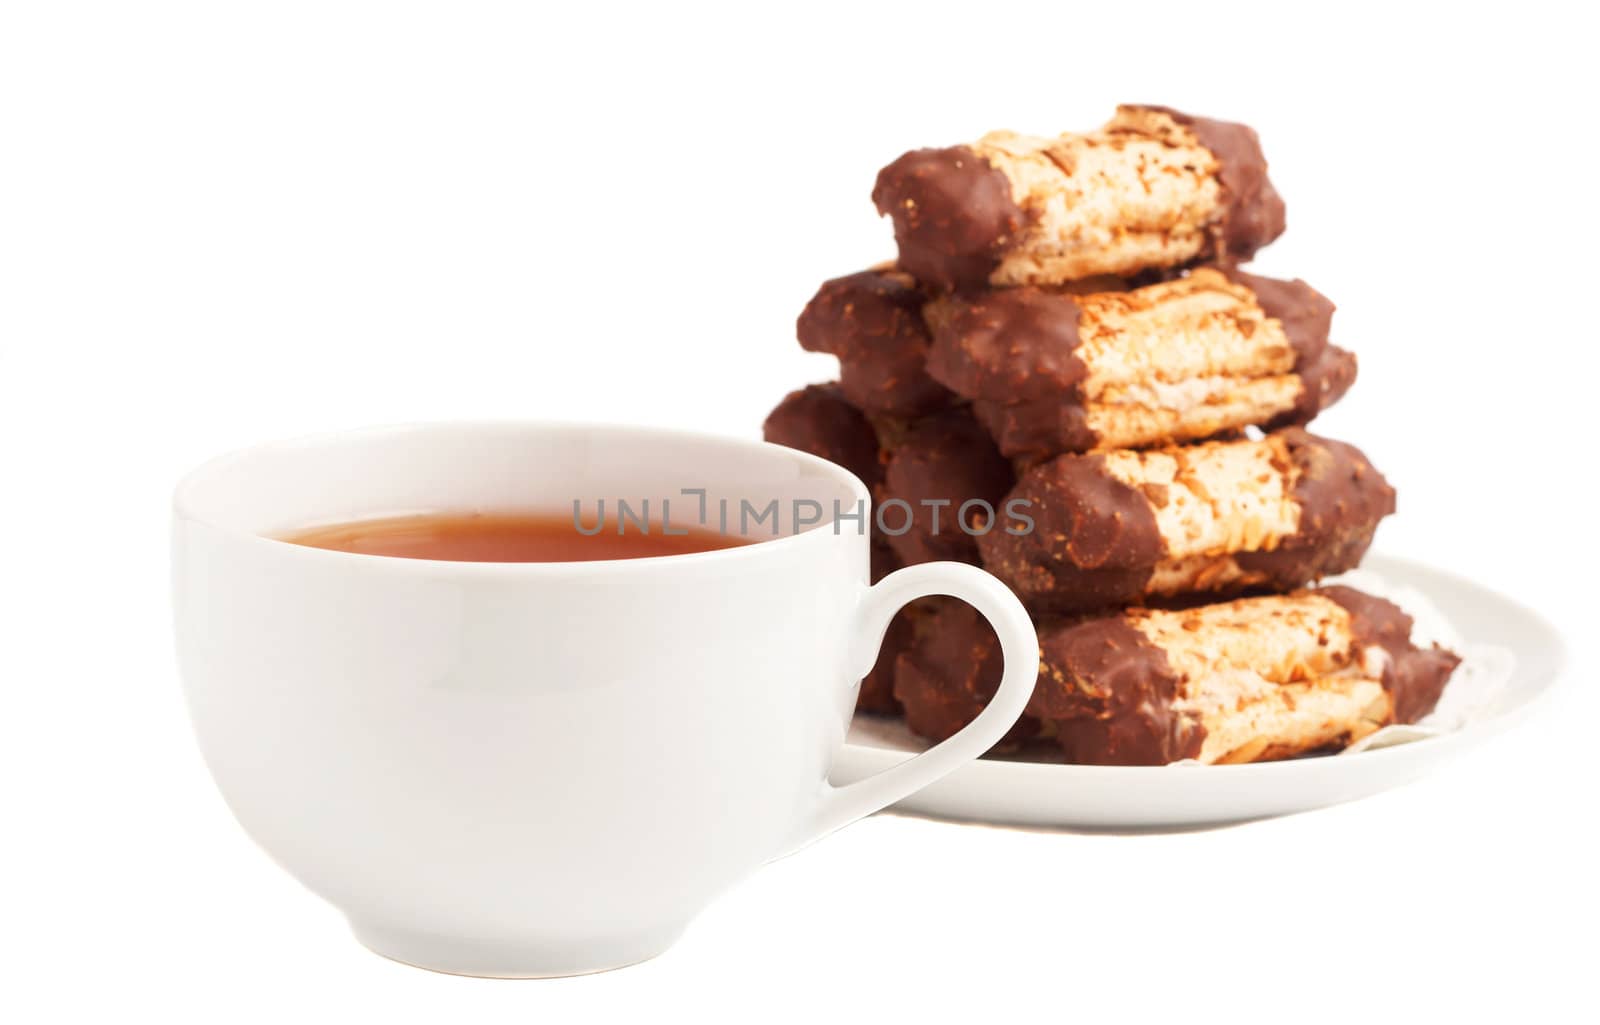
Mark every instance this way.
x=1066 y=379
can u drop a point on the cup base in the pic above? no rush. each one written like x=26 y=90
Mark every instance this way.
x=515 y=958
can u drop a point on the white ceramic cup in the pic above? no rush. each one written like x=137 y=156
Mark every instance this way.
x=540 y=769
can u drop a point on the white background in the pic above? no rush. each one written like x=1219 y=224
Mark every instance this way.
x=222 y=223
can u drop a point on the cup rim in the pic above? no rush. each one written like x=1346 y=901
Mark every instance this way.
x=183 y=500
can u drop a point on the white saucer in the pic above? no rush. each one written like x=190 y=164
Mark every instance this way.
x=1163 y=797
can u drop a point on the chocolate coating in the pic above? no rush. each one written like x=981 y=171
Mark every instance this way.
x=872 y=321
x=953 y=214
x=877 y=687
x=1094 y=541
x=817 y=419
x=1109 y=695
x=1414 y=677
x=1306 y=314
x=950 y=672
x=1342 y=498
x=1253 y=212
x=1007 y=345
x=1016 y=354
x=1034 y=430
x=947 y=458
x=884 y=560
x=1323 y=382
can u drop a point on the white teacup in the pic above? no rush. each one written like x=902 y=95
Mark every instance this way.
x=536 y=769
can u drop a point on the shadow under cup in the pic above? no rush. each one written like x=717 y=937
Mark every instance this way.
x=519 y=769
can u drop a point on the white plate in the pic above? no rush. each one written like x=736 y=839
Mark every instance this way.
x=1165 y=797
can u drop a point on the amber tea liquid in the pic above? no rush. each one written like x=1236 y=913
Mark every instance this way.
x=489 y=537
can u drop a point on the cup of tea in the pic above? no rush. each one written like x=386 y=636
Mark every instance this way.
x=522 y=699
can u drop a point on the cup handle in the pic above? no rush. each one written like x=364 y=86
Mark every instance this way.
x=1019 y=647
